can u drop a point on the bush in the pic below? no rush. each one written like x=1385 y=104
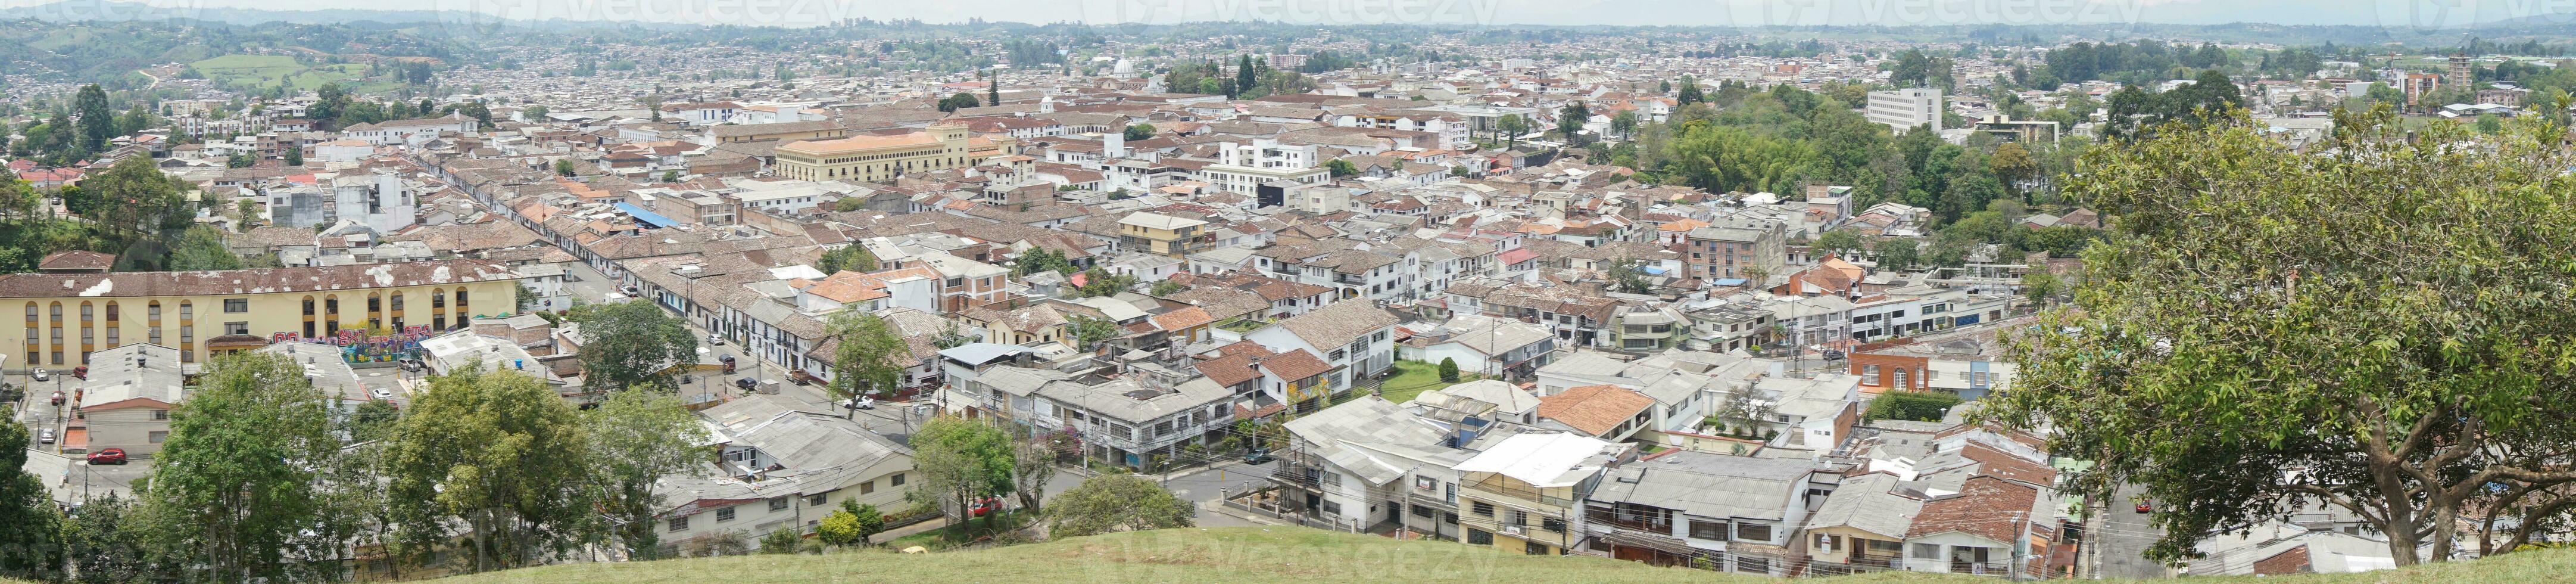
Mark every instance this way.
x=782 y=541
x=1448 y=370
x=1911 y=405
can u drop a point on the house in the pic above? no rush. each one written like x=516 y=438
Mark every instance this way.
x=1607 y=412
x=1368 y=463
x=1525 y=493
x=1483 y=345
x=1356 y=337
x=126 y=401
x=1709 y=511
x=780 y=465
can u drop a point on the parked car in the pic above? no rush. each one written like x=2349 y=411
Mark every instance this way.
x=382 y=394
x=1257 y=456
x=715 y=339
x=58 y=397
x=45 y=437
x=108 y=456
x=409 y=364
x=985 y=505
x=40 y=375
x=81 y=373
x=2146 y=507
x=746 y=383
x=863 y=402
x=1833 y=355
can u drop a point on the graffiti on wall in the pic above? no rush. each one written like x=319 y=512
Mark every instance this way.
x=364 y=346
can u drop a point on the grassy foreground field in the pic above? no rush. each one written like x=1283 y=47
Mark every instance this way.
x=1284 y=554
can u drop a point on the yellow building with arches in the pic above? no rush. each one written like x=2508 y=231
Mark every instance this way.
x=68 y=316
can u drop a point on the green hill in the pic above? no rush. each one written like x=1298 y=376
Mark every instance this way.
x=1286 y=554
x=256 y=71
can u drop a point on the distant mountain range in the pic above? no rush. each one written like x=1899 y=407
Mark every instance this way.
x=116 y=11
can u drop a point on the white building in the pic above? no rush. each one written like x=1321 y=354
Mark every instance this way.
x=1242 y=167
x=1905 y=109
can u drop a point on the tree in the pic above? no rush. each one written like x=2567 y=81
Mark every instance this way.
x=1838 y=240
x=637 y=438
x=1089 y=331
x=1116 y=502
x=1136 y=132
x=240 y=160
x=1897 y=253
x=852 y=257
x=1039 y=259
x=236 y=476
x=135 y=198
x=1624 y=124
x=1690 y=93
x=1032 y=467
x=109 y=541
x=632 y=345
x=1341 y=168
x=1167 y=288
x=1512 y=126
x=870 y=355
x=1570 y=120
x=32 y=547
x=563 y=167
x=202 y=248
x=493 y=459
x=670 y=176
x=97 y=121
x=295 y=157
x=2013 y=164
x=960 y=461
x=956 y=102
x=843 y=529
x=1098 y=282
x=1448 y=370
x=865 y=517
x=2383 y=313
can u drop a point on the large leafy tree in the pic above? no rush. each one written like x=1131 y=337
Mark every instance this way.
x=494 y=460
x=960 y=461
x=637 y=438
x=869 y=355
x=236 y=476
x=632 y=345
x=136 y=199
x=2379 y=325
x=97 y=119
x=31 y=547
x=202 y=248
x=1109 y=503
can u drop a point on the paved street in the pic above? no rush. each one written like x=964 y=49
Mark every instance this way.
x=2125 y=537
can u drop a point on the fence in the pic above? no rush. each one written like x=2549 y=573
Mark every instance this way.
x=1264 y=501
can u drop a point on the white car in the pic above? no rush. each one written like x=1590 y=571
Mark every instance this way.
x=715 y=339
x=382 y=394
x=40 y=375
x=863 y=402
x=45 y=437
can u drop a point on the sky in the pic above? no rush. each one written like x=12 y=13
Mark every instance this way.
x=2395 y=13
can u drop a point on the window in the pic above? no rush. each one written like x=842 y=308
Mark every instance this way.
x=158 y=415
x=1449 y=518
x=1869 y=375
x=1552 y=524
x=156 y=437
x=1482 y=509
x=867 y=487
x=778 y=503
x=237 y=328
x=1884 y=548
x=1422 y=511
x=1708 y=530
x=375 y=304
x=1516 y=517
x=236 y=305
x=1928 y=551
x=896 y=481
x=1752 y=532
x=1533 y=548
x=1332 y=508
x=679 y=524
x=725 y=514
x=1753 y=565
x=817 y=500
x=1479 y=537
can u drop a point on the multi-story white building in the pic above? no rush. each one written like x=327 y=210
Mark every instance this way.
x=1243 y=167
x=1906 y=109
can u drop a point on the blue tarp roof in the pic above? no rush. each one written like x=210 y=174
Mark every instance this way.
x=648 y=217
x=1729 y=282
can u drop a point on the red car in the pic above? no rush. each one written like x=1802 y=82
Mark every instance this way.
x=985 y=505
x=108 y=456
x=2146 y=507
